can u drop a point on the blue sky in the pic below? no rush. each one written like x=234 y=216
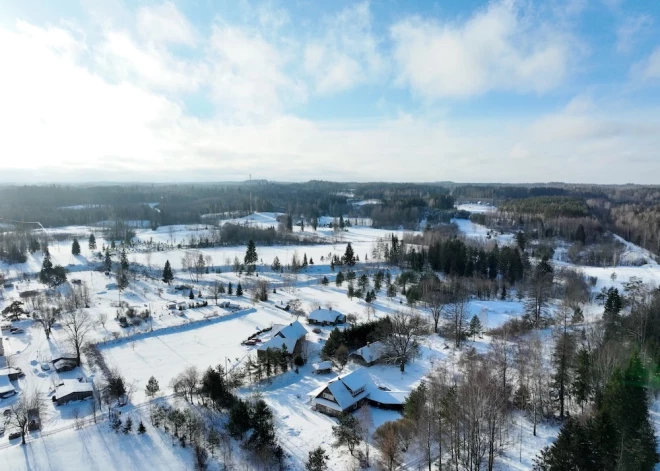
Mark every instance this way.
x=472 y=91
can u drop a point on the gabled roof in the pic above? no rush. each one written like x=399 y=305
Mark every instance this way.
x=5 y=384
x=71 y=386
x=356 y=379
x=371 y=352
x=284 y=335
x=324 y=315
x=324 y=365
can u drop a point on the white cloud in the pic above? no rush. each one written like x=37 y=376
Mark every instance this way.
x=499 y=48
x=630 y=31
x=248 y=73
x=346 y=54
x=648 y=69
x=164 y=24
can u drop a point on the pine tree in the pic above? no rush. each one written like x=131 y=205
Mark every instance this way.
x=168 y=276
x=75 y=247
x=123 y=260
x=304 y=263
x=325 y=281
x=562 y=359
x=141 y=428
x=213 y=440
x=349 y=256
x=612 y=315
x=239 y=419
x=580 y=236
x=276 y=264
x=347 y=432
x=46 y=273
x=339 y=279
x=191 y=295
x=289 y=223
x=475 y=327
x=128 y=426
x=581 y=386
x=230 y=289
x=317 y=461
x=251 y=256
x=239 y=290
x=107 y=261
x=152 y=387
x=92 y=242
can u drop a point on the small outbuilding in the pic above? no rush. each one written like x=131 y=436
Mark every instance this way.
x=323 y=367
x=6 y=388
x=369 y=355
x=72 y=390
x=326 y=317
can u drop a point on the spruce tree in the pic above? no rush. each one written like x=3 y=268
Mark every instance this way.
x=251 y=256
x=107 y=261
x=152 y=387
x=230 y=289
x=581 y=385
x=276 y=264
x=475 y=327
x=46 y=273
x=92 y=242
x=317 y=461
x=168 y=276
x=75 y=247
x=325 y=281
x=562 y=360
x=349 y=256
x=612 y=314
x=239 y=290
x=339 y=279
x=141 y=428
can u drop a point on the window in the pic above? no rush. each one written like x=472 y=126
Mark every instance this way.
x=328 y=396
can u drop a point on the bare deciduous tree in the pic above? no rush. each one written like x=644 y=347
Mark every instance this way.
x=76 y=325
x=47 y=316
x=30 y=406
x=401 y=337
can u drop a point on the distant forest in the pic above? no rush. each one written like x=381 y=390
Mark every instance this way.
x=542 y=210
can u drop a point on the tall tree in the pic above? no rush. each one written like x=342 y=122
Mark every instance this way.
x=92 y=242
x=400 y=337
x=562 y=360
x=107 y=260
x=349 y=256
x=251 y=257
x=75 y=247
x=168 y=276
x=77 y=326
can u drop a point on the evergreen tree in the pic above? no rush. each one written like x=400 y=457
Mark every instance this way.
x=107 y=261
x=46 y=273
x=128 y=425
x=342 y=224
x=123 y=260
x=315 y=223
x=475 y=327
x=339 y=279
x=351 y=291
x=191 y=295
x=141 y=428
x=152 y=387
x=289 y=223
x=317 y=461
x=325 y=281
x=612 y=315
x=251 y=256
x=580 y=236
x=239 y=419
x=230 y=289
x=304 y=263
x=92 y=242
x=239 y=290
x=168 y=276
x=581 y=386
x=349 y=256
x=263 y=429
x=213 y=439
x=562 y=360
x=276 y=266
x=75 y=247
x=347 y=432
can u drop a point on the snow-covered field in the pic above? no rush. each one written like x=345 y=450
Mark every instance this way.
x=212 y=336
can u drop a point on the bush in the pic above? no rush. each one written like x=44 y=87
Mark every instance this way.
x=298 y=360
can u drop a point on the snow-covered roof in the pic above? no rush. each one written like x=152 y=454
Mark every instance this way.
x=284 y=335
x=5 y=384
x=387 y=397
x=343 y=395
x=356 y=379
x=324 y=315
x=70 y=386
x=324 y=365
x=371 y=352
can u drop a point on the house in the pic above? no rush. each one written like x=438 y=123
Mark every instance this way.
x=72 y=390
x=369 y=354
x=348 y=392
x=65 y=362
x=290 y=336
x=6 y=388
x=326 y=317
x=12 y=373
x=322 y=367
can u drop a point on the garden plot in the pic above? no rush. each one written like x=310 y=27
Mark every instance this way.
x=165 y=355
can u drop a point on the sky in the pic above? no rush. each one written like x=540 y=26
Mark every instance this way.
x=389 y=90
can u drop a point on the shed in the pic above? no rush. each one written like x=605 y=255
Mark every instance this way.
x=72 y=390
x=322 y=367
x=369 y=354
x=326 y=317
x=6 y=388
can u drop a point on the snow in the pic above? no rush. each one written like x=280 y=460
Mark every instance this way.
x=324 y=315
x=476 y=208
x=480 y=232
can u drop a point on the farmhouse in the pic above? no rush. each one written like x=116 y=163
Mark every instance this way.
x=369 y=354
x=72 y=390
x=348 y=392
x=290 y=336
x=326 y=317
